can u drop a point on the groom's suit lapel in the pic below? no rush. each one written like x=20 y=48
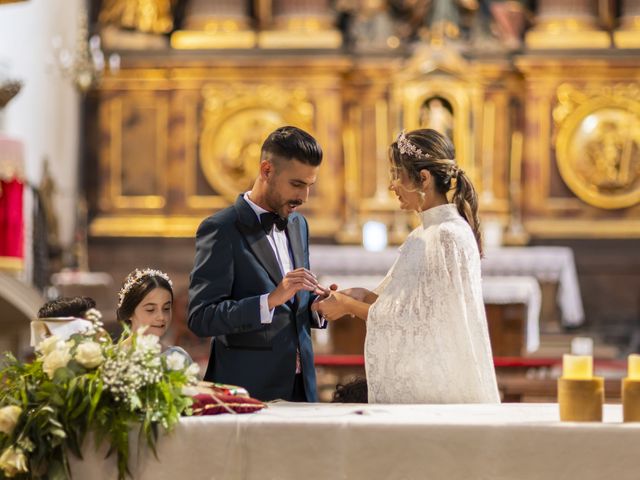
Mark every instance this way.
x=250 y=227
x=295 y=242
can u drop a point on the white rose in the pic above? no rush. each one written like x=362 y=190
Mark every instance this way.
x=8 y=418
x=13 y=461
x=148 y=343
x=189 y=391
x=192 y=370
x=57 y=359
x=48 y=345
x=89 y=354
x=175 y=361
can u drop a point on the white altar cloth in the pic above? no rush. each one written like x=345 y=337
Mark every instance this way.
x=340 y=441
x=547 y=264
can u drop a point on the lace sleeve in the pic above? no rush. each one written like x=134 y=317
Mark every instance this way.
x=383 y=284
x=387 y=278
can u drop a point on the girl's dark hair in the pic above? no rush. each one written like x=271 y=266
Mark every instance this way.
x=66 y=307
x=437 y=155
x=137 y=292
x=354 y=391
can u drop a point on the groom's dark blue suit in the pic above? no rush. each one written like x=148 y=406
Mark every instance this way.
x=234 y=265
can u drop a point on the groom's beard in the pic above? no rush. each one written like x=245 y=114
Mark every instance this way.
x=280 y=206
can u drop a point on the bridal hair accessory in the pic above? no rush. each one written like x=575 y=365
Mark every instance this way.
x=136 y=277
x=455 y=172
x=407 y=148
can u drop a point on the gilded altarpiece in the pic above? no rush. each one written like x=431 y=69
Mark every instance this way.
x=371 y=121
x=472 y=104
x=475 y=104
x=180 y=141
x=582 y=149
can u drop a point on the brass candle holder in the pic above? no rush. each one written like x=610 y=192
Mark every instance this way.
x=580 y=394
x=631 y=391
x=581 y=400
x=630 y=400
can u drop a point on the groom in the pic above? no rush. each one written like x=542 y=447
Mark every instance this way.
x=251 y=288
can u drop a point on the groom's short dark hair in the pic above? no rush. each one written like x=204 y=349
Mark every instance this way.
x=289 y=142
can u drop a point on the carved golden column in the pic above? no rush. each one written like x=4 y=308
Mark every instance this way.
x=215 y=24
x=628 y=33
x=301 y=24
x=567 y=24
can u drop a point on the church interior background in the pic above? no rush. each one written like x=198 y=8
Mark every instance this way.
x=134 y=120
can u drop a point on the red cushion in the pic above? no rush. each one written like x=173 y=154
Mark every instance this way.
x=213 y=403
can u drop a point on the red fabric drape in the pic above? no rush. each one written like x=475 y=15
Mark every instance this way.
x=11 y=218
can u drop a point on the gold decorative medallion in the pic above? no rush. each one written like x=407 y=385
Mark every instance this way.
x=598 y=143
x=235 y=123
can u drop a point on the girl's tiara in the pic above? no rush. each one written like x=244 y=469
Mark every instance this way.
x=136 y=277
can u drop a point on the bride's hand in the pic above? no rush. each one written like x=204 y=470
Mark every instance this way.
x=360 y=294
x=333 y=307
x=323 y=292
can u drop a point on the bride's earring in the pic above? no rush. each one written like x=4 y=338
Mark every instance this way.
x=422 y=192
x=422 y=196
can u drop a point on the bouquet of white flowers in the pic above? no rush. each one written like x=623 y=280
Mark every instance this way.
x=87 y=384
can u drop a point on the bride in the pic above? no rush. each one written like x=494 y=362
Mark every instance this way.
x=427 y=337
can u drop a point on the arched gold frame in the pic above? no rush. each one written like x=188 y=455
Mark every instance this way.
x=416 y=93
x=221 y=145
x=565 y=146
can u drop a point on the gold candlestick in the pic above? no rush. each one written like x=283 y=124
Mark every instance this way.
x=581 y=400
x=631 y=390
x=580 y=394
x=630 y=400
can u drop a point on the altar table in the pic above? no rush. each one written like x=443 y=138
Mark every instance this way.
x=340 y=441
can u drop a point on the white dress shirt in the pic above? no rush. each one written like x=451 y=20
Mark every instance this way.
x=280 y=245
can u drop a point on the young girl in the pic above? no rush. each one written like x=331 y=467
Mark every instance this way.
x=146 y=300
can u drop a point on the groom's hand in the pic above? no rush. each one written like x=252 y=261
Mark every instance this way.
x=292 y=283
x=324 y=292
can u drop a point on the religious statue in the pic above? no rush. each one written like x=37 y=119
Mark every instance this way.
x=611 y=153
x=371 y=27
x=136 y=24
x=484 y=23
x=435 y=20
x=510 y=21
x=47 y=189
x=150 y=16
x=437 y=113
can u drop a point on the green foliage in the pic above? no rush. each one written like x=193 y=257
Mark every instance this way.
x=86 y=385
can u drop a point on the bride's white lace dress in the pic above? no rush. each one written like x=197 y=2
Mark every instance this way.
x=427 y=338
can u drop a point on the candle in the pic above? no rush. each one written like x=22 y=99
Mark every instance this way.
x=578 y=367
x=633 y=370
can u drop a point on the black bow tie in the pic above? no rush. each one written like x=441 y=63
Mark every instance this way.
x=269 y=219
